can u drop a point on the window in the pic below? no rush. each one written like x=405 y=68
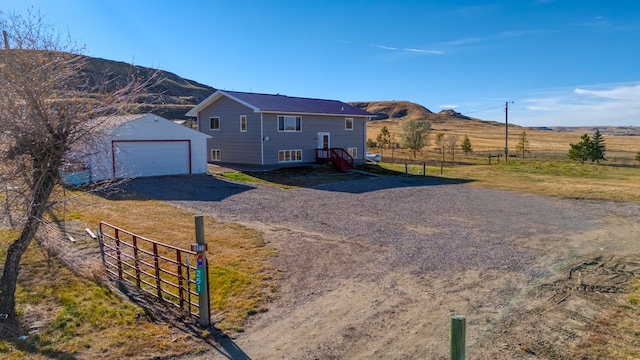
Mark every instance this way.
x=348 y=123
x=215 y=154
x=289 y=155
x=243 y=123
x=353 y=152
x=214 y=123
x=289 y=123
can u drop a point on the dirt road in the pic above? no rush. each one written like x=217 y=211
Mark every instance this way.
x=373 y=268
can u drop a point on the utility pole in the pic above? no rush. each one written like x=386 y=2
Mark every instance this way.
x=506 y=131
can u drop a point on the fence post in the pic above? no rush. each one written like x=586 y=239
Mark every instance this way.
x=137 y=260
x=118 y=252
x=156 y=263
x=457 y=330
x=424 y=169
x=406 y=168
x=203 y=297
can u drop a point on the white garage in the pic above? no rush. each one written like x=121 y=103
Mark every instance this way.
x=148 y=145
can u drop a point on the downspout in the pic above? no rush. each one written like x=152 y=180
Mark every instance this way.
x=364 y=139
x=261 y=141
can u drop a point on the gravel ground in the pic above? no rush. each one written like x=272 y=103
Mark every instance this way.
x=372 y=268
x=423 y=224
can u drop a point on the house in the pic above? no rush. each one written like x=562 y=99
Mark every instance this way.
x=143 y=145
x=265 y=129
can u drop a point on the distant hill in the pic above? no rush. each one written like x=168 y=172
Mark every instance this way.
x=171 y=98
x=394 y=109
x=405 y=110
x=455 y=114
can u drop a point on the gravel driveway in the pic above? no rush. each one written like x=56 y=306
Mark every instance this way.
x=425 y=224
x=372 y=268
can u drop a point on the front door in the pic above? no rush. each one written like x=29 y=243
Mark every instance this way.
x=323 y=140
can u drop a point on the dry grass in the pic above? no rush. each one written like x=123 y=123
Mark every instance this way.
x=79 y=318
x=617 y=331
x=239 y=272
x=554 y=178
x=490 y=137
x=69 y=317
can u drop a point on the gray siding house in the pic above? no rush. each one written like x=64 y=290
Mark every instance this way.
x=264 y=129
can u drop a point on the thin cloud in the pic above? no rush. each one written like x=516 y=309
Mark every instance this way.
x=631 y=93
x=385 y=47
x=448 y=106
x=457 y=43
x=425 y=51
x=413 y=50
x=606 y=104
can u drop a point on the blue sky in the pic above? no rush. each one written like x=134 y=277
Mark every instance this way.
x=562 y=62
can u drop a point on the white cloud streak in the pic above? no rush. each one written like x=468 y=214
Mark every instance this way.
x=385 y=47
x=600 y=105
x=424 y=51
x=631 y=93
x=412 y=50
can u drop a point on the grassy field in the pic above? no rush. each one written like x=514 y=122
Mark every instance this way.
x=543 y=177
x=77 y=316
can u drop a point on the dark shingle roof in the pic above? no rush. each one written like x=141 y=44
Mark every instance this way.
x=285 y=104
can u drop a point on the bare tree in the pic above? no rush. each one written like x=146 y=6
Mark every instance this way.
x=451 y=143
x=439 y=142
x=47 y=117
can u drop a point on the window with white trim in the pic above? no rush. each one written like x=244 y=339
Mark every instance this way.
x=353 y=152
x=214 y=123
x=215 y=154
x=243 y=123
x=289 y=123
x=289 y=155
x=348 y=123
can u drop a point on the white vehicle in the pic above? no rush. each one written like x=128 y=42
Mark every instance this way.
x=372 y=157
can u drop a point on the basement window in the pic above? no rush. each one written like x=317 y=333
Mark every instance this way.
x=289 y=155
x=215 y=154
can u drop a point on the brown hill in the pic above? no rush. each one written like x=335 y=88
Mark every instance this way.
x=402 y=110
x=453 y=113
x=405 y=110
x=170 y=98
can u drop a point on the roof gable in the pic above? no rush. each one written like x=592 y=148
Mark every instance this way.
x=283 y=104
x=142 y=122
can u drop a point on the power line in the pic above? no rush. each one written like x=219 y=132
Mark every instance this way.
x=491 y=108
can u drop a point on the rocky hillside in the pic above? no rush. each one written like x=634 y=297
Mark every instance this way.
x=394 y=109
x=405 y=110
x=170 y=98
